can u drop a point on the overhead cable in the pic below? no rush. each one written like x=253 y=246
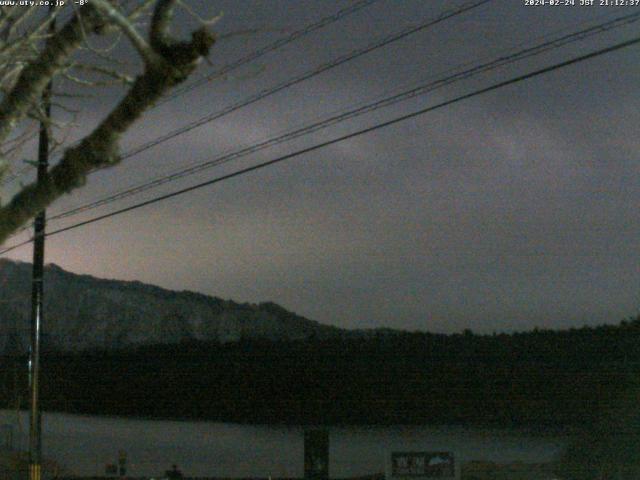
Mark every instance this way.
x=226 y=69
x=476 y=93
x=341 y=117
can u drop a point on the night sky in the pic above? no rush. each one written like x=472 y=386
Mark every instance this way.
x=508 y=211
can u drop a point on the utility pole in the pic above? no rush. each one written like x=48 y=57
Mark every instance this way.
x=35 y=418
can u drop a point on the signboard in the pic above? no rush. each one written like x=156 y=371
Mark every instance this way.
x=416 y=465
x=316 y=454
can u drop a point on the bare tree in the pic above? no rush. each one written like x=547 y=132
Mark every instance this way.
x=30 y=58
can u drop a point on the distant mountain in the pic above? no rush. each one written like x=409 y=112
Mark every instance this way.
x=194 y=356
x=84 y=312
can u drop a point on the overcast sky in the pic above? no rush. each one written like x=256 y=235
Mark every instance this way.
x=511 y=210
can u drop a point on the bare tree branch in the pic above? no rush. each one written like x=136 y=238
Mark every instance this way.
x=170 y=64
x=35 y=76
x=113 y=15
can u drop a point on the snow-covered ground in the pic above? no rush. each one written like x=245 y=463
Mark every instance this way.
x=85 y=444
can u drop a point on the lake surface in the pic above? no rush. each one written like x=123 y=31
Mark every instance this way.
x=85 y=444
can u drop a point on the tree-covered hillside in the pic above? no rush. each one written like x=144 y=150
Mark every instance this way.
x=539 y=378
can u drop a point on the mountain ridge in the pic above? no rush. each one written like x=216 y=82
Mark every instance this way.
x=84 y=312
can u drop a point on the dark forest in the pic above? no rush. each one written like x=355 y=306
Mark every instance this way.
x=541 y=378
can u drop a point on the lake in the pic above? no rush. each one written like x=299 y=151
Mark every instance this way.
x=85 y=444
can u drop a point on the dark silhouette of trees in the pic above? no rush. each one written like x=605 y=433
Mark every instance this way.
x=543 y=378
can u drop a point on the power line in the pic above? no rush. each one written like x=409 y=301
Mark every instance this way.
x=323 y=22
x=394 y=37
x=281 y=42
x=342 y=138
x=18 y=245
x=322 y=68
x=354 y=54
x=387 y=101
